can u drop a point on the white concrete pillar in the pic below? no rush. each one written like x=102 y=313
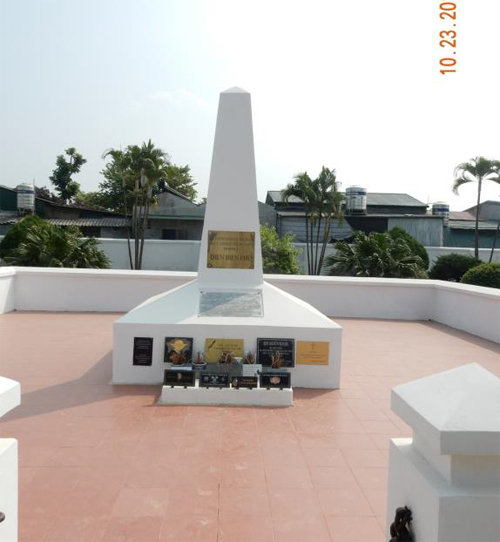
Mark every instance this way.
x=10 y=397
x=448 y=474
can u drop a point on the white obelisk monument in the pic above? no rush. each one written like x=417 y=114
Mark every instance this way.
x=229 y=299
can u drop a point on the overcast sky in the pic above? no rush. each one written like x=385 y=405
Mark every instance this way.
x=352 y=85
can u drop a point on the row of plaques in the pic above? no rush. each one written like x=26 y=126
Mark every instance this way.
x=308 y=352
x=185 y=379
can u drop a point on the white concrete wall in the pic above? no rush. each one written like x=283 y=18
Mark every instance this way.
x=163 y=255
x=10 y=397
x=469 y=308
x=7 y=294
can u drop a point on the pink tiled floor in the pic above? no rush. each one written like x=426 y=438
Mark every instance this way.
x=103 y=463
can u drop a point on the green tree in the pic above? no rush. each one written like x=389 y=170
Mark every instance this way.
x=322 y=204
x=415 y=246
x=374 y=255
x=278 y=255
x=62 y=176
x=179 y=178
x=36 y=243
x=476 y=170
x=132 y=180
x=452 y=267
x=486 y=274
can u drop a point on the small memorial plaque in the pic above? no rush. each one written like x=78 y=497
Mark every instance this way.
x=179 y=378
x=231 y=249
x=143 y=351
x=215 y=347
x=231 y=304
x=244 y=381
x=313 y=352
x=275 y=380
x=267 y=348
x=178 y=350
x=214 y=380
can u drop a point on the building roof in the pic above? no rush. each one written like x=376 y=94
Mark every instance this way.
x=471 y=224
x=373 y=199
x=367 y=216
x=105 y=222
x=488 y=201
x=461 y=215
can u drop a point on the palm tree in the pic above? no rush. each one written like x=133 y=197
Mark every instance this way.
x=143 y=172
x=322 y=204
x=375 y=255
x=476 y=170
x=43 y=245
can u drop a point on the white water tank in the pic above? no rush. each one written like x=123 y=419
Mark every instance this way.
x=25 y=198
x=440 y=208
x=355 y=199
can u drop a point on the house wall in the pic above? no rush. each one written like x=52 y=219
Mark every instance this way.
x=296 y=225
x=429 y=231
x=186 y=230
x=454 y=237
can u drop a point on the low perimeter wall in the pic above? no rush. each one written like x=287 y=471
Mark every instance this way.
x=468 y=308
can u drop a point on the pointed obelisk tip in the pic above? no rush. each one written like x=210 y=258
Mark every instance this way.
x=235 y=90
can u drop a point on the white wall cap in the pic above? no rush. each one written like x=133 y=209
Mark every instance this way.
x=10 y=395
x=455 y=412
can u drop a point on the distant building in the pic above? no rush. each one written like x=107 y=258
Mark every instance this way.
x=462 y=225
x=173 y=217
x=92 y=222
x=383 y=212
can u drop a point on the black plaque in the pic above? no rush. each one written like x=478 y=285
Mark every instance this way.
x=275 y=380
x=266 y=347
x=214 y=380
x=244 y=381
x=179 y=378
x=143 y=351
x=186 y=348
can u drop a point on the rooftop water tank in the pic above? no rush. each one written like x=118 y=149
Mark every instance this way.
x=440 y=208
x=355 y=200
x=25 y=198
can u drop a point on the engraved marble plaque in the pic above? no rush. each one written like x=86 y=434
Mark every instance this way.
x=232 y=304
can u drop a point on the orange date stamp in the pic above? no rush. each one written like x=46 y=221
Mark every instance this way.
x=448 y=37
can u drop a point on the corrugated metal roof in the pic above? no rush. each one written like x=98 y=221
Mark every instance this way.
x=105 y=222
x=461 y=215
x=471 y=224
x=373 y=198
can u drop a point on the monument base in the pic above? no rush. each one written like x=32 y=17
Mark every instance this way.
x=226 y=396
x=180 y=313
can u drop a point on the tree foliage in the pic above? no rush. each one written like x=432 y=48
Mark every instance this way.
x=476 y=170
x=122 y=171
x=375 y=255
x=452 y=267
x=322 y=204
x=36 y=243
x=486 y=274
x=415 y=246
x=62 y=176
x=278 y=255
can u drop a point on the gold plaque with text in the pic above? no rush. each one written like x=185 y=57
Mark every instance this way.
x=312 y=353
x=215 y=347
x=231 y=249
